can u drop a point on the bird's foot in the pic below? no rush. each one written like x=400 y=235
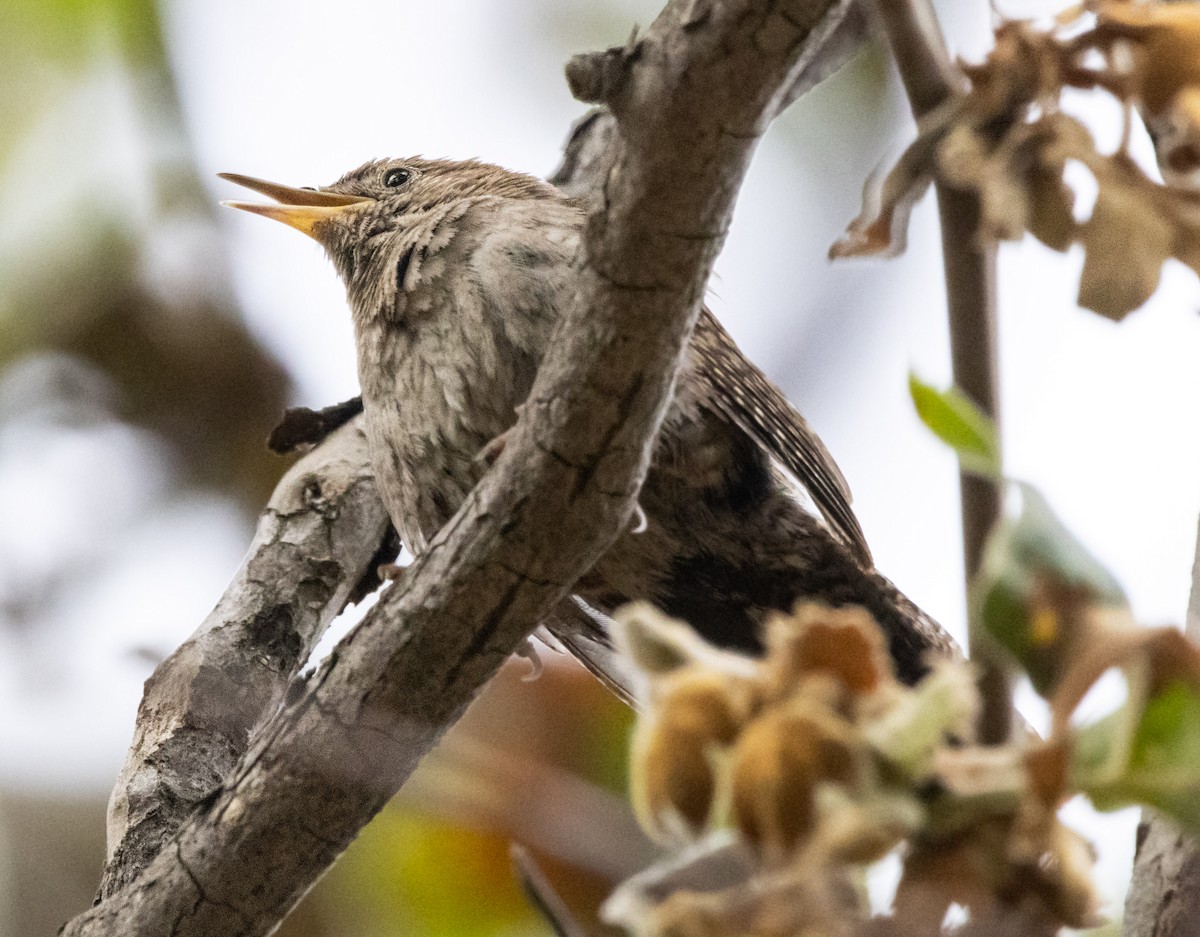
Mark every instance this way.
x=529 y=651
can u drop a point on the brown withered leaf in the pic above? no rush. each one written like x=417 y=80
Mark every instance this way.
x=881 y=229
x=1008 y=142
x=968 y=159
x=1051 y=206
x=1127 y=240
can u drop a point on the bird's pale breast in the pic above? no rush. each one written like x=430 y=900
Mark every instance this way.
x=453 y=349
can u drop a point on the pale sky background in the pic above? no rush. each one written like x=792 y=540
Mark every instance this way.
x=1100 y=416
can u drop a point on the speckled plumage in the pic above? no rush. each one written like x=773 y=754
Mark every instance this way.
x=456 y=277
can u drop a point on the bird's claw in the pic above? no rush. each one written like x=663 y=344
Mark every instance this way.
x=640 y=521
x=527 y=650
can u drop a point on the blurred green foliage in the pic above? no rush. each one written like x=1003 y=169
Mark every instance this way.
x=110 y=253
x=957 y=422
x=1146 y=753
x=416 y=874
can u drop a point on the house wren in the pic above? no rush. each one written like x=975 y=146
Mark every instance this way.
x=456 y=273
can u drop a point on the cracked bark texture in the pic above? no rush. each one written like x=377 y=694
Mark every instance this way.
x=688 y=101
x=315 y=540
x=1164 y=893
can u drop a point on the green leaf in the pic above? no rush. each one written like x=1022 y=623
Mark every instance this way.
x=1039 y=590
x=959 y=423
x=944 y=704
x=1151 y=757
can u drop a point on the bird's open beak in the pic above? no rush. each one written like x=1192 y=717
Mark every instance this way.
x=304 y=209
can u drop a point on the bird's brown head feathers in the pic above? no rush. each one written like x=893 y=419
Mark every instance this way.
x=357 y=219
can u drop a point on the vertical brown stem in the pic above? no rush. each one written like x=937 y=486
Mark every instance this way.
x=930 y=80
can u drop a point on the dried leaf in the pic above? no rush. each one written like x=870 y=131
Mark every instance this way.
x=1051 y=207
x=1127 y=241
x=970 y=159
x=1008 y=142
x=881 y=229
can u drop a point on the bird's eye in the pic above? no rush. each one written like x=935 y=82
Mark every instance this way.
x=396 y=177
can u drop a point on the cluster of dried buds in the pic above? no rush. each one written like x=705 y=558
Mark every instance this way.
x=813 y=762
x=1007 y=139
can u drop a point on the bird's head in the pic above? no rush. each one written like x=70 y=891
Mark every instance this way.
x=356 y=218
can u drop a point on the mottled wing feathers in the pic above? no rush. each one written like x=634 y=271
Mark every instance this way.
x=740 y=392
x=583 y=632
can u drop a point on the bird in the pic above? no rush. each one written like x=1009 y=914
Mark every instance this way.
x=456 y=272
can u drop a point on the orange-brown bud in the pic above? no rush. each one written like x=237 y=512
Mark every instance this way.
x=778 y=761
x=674 y=775
x=844 y=642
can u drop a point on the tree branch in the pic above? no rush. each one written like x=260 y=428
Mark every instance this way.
x=1164 y=893
x=930 y=80
x=691 y=99
x=316 y=538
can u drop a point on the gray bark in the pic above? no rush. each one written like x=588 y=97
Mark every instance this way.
x=315 y=539
x=1164 y=893
x=690 y=99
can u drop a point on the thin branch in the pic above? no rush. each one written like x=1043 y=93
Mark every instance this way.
x=315 y=540
x=1164 y=893
x=542 y=894
x=836 y=37
x=930 y=80
x=691 y=99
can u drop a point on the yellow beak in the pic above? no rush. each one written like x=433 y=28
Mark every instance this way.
x=304 y=209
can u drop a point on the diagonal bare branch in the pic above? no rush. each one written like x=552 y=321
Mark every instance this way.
x=316 y=538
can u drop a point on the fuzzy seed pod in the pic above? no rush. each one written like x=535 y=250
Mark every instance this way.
x=778 y=761
x=674 y=778
x=844 y=642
